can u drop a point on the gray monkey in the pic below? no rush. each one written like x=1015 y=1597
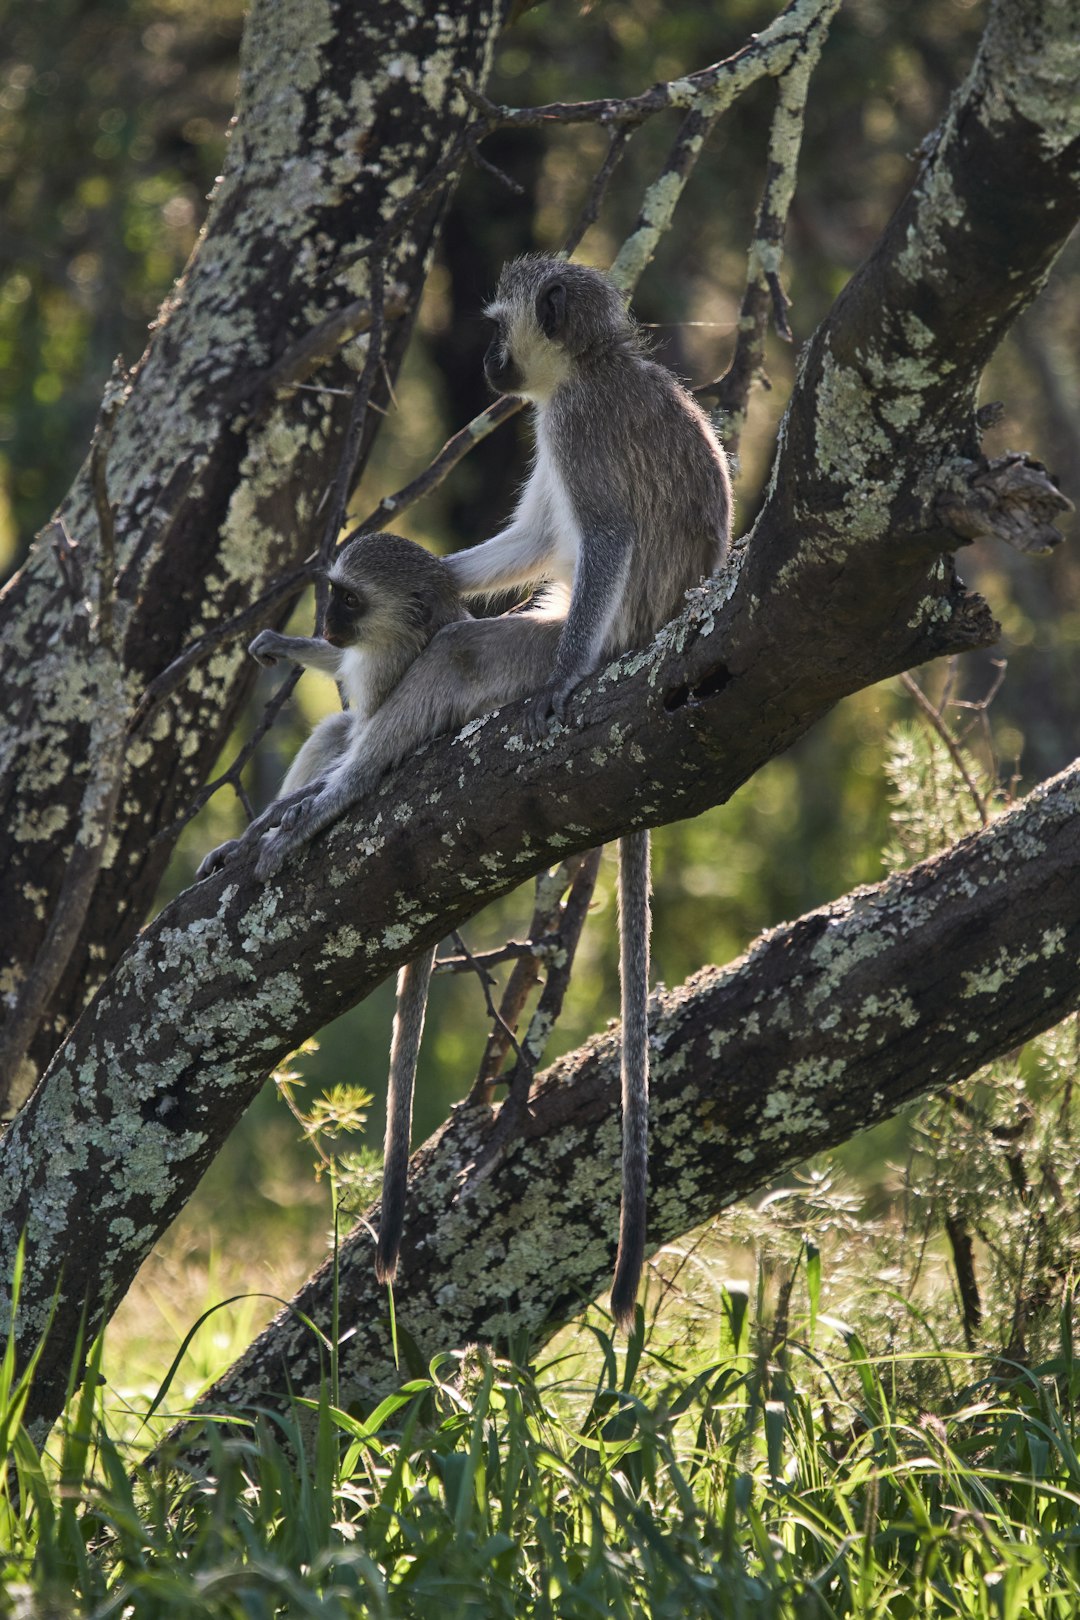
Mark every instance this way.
x=412 y=663
x=387 y=598
x=628 y=504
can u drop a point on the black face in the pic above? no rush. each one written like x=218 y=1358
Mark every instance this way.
x=343 y=612
x=499 y=369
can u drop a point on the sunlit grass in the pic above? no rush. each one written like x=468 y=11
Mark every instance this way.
x=759 y=1473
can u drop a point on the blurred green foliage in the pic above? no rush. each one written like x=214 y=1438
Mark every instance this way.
x=112 y=124
x=112 y=119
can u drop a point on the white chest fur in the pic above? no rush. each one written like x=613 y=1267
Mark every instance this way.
x=354 y=674
x=551 y=492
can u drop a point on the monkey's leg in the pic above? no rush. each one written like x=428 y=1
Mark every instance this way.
x=412 y=998
x=634 y=928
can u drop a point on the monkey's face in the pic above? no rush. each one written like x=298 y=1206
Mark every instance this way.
x=345 y=612
x=500 y=368
x=523 y=358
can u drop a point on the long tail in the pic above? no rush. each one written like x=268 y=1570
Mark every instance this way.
x=634 y=928
x=412 y=996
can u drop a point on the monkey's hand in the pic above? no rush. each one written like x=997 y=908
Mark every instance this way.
x=549 y=704
x=266 y=649
x=218 y=858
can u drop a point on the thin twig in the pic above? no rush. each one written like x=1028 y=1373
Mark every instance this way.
x=486 y=981
x=714 y=87
x=504 y=179
x=304 y=357
x=453 y=451
x=342 y=486
x=106 y=517
x=546 y=920
x=549 y=1007
x=764 y=295
x=591 y=210
x=510 y=952
x=660 y=200
x=955 y=752
x=231 y=777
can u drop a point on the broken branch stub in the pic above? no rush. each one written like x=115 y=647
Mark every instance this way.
x=1011 y=498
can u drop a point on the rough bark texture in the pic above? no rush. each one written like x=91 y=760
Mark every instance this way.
x=342 y=111
x=826 y=1026
x=844 y=581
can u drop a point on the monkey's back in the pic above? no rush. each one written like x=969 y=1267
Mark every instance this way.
x=649 y=463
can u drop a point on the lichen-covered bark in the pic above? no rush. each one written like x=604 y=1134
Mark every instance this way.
x=342 y=111
x=227 y=979
x=826 y=1026
x=844 y=581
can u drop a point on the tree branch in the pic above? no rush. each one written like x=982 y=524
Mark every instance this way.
x=827 y=1025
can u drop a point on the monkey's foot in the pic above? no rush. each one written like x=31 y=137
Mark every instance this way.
x=547 y=706
x=295 y=826
x=218 y=858
x=274 y=850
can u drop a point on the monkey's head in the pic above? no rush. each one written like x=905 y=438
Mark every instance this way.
x=386 y=591
x=549 y=316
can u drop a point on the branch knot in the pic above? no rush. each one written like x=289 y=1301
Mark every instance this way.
x=1011 y=498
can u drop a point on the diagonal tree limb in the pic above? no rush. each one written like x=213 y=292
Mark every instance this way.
x=826 y=1026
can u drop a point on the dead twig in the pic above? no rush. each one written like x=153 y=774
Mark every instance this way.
x=549 y=1007
x=486 y=982
x=955 y=752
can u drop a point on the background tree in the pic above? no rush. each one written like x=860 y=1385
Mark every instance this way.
x=234 y=418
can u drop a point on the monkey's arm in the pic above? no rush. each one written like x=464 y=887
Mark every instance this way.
x=310 y=652
x=521 y=554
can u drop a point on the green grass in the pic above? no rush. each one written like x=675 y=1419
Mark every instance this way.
x=756 y=1477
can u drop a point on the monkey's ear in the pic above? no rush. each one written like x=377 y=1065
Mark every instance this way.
x=419 y=609
x=551 y=308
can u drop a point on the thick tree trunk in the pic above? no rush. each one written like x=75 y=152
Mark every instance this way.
x=844 y=581
x=342 y=112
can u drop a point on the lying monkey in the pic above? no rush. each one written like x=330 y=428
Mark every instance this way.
x=412 y=663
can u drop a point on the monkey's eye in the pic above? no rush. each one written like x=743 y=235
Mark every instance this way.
x=344 y=596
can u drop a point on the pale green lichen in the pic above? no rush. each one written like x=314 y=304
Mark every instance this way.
x=1033 y=65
